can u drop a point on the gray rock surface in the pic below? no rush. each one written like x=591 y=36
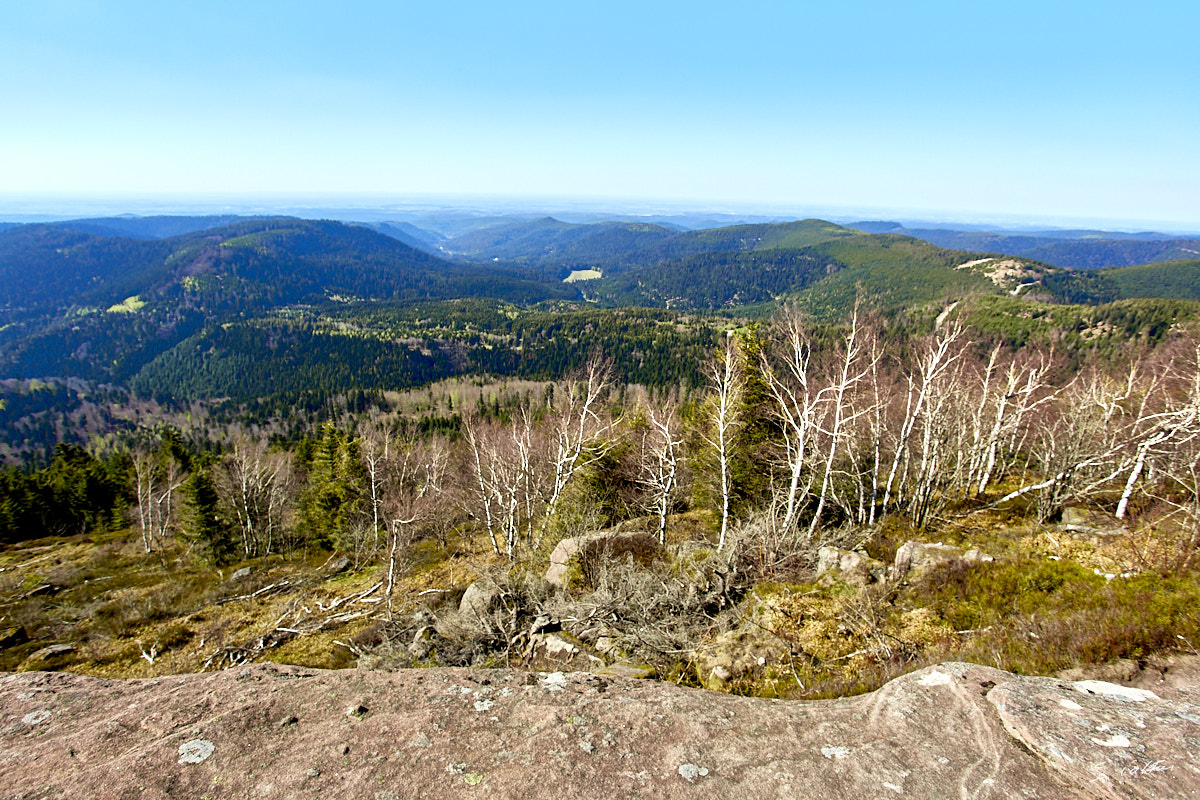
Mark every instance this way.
x=1126 y=742
x=857 y=569
x=478 y=600
x=47 y=656
x=1090 y=522
x=338 y=566
x=609 y=544
x=955 y=730
x=913 y=558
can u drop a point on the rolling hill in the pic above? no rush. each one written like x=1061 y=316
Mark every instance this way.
x=262 y=305
x=74 y=304
x=1072 y=249
x=550 y=241
x=1178 y=280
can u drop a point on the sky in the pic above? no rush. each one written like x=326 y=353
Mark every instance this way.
x=1060 y=111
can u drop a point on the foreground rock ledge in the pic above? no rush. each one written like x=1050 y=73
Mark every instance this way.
x=955 y=730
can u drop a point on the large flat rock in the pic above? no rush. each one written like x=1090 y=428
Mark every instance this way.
x=286 y=732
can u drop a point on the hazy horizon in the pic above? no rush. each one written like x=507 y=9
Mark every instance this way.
x=48 y=207
x=1069 y=114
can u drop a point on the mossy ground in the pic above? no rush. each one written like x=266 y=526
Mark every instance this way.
x=116 y=605
x=1050 y=601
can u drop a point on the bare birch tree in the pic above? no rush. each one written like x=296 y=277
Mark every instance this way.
x=725 y=377
x=504 y=476
x=577 y=424
x=660 y=461
x=797 y=404
x=852 y=370
x=927 y=386
x=414 y=489
x=159 y=475
x=258 y=487
x=375 y=452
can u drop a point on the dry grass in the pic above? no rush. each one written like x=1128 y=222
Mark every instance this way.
x=1039 y=608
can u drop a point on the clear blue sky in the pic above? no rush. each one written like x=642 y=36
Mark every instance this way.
x=1085 y=110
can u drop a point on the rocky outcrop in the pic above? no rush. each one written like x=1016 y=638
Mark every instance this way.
x=913 y=558
x=479 y=599
x=857 y=569
x=1126 y=742
x=559 y=651
x=954 y=730
x=338 y=566
x=574 y=555
x=1090 y=522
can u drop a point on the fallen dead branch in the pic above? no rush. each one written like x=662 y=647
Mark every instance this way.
x=297 y=620
x=271 y=589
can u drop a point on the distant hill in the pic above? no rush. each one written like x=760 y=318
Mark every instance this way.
x=821 y=264
x=157 y=227
x=621 y=246
x=550 y=241
x=412 y=236
x=74 y=304
x=1096 y=254
x=1073 y=249
x=46 y=267
x=1177 y=280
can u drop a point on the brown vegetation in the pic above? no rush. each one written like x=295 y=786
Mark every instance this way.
x=857 y=437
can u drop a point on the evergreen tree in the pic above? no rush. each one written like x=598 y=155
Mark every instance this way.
x=204 y=525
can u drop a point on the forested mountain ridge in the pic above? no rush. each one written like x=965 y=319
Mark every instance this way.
x=151 y=227
x=45 y=266
x=182 y=313
x=75 y=304
x=1070 y=249
x=622 y=245
x=821 y=263
x=550 y=241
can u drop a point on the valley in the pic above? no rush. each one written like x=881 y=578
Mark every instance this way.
x=312 y=443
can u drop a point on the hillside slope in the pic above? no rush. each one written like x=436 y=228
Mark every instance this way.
x=100 y=307
x=1178 y=280
x=194 y=307
x=1062 y=248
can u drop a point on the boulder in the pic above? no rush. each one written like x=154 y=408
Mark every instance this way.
x=975 y=556
x=577 y=553
x=49 y=658
x=338 y=566
x=608 y=643
x=555 y=651
x=478 y=600
x=852 y=567
x=241 y=574
x=422 y=643
x=1090 y=522
x=913 y=558
x=11 y=637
